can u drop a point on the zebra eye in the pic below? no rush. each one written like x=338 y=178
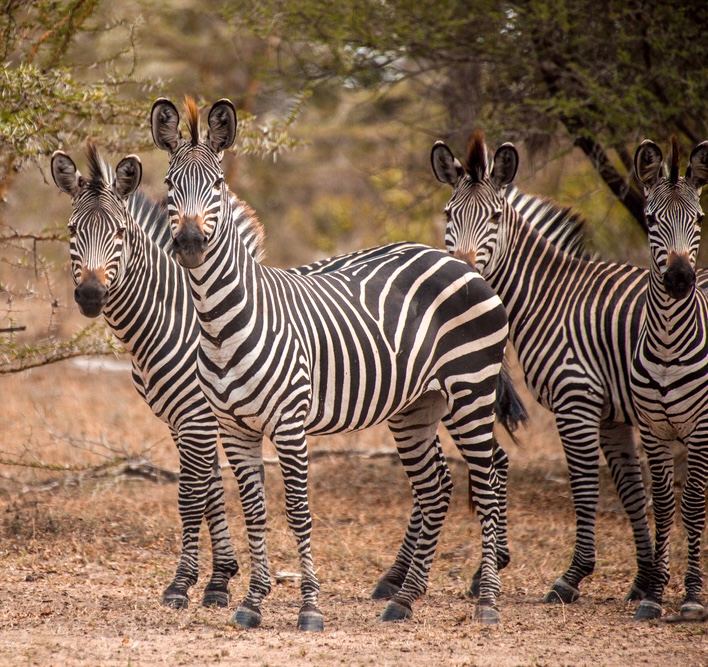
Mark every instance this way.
x=168 y=183
x=218 y=182
x=651 y=220
x=448 y=215
x=496 y=216
x=120 y=233
x=699 y=219
x=72 y=229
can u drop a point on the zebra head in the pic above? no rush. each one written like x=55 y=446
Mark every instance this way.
x=97 y=224
x=673 y=212
x=195 y=179
x=476 y=208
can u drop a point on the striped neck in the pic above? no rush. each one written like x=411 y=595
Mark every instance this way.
x=525 y=263
x=672 y=326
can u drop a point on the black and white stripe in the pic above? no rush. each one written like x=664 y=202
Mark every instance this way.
x=669 y=375
x=401 y=333
x=121 y=270
x=574 y=323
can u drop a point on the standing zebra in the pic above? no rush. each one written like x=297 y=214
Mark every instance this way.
x=120 y=268
x=401 y=333
x=574 y=324
x=669 y=375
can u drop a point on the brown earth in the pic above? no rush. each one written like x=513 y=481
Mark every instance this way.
x=85 y=558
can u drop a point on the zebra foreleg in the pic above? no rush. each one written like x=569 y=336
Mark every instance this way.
x=693 y=512
x=415 y=433
x=501 y=465
x=580 y=442
x=224 y=564
x=620 y=450
x=245 y=456
x=661 y=466
x=198 y=495
x=291 y=444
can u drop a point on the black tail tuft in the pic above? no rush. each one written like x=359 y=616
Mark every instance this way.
x=509 y=408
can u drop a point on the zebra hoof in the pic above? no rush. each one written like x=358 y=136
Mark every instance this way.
x=692 y=610
x=561 y=592
x=635 y=593
x=385 y=589
x=216 y=598
x=246 y=616
x=310 y=619
x=175 y=599
x=487 y=614
x=648 y=610
x=396 y=611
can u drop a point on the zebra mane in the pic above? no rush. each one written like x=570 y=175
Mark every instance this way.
x=151 y=216
x=560 y=225
x=674 y=160
x=191 y=111
x=100 y=173
x=476 y=160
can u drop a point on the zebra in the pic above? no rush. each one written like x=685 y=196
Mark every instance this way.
x=574 y=323
x=669 y=372
x=121 y=269
x=402 y=333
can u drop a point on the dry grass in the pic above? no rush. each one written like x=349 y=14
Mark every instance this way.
x=84 y=566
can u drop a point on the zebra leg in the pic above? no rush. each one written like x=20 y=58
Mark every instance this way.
x=620 y=450
x=471 y=422
x=661 y=467
x=194 y=475
x=244 y=453
x=580 y=442
x=501 y=466
x=291 y=444
x=390 y=583
x=415 y=433
x=693 y=513
x=224 y=564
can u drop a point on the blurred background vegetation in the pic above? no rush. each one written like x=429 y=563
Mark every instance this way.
x=339 y=105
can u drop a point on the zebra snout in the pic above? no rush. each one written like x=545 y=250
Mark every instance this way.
x=190 y=243
x=680 y=277
x=91 y=296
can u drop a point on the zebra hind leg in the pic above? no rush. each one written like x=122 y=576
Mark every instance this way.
x=224 y=563
x=390 y=583
x=415 y=433
x=501 y=466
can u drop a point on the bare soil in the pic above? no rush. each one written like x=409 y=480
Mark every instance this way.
x=85 y=557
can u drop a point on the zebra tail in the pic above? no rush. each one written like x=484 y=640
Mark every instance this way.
x=509 y=408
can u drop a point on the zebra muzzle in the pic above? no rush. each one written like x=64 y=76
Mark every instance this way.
x=91 y=296
x=680 y=277
x=190 y=243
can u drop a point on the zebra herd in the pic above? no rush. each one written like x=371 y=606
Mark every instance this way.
x=222 y=345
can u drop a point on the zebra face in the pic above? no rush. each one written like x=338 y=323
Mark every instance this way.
x=97 y=224
x=476 y=209
x=195 y=179
x=195 y=182
x=673 y=214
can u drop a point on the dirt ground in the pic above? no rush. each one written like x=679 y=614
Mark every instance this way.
x=85 y=557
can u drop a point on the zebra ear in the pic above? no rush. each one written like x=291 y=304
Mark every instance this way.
x=129 y=173
x=446 y=166
x=164 y=121
x=647 y=164
x=697 y=172
x=222 y=126
x=65 y=174
x=506 y=162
